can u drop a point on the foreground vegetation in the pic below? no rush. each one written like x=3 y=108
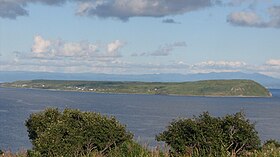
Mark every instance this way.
x=88 y=134
x=198 y=88
x=74 y=133
x=135 y=150
x=205 y=135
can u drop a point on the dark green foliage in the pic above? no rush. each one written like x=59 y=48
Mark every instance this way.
x=206 y=135
x=33 y=153
x=37 y=123
x=1 y=152
x=74 y=133
x=193 y=136
x=239 y=133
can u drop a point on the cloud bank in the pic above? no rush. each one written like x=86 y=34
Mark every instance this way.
x=273 y=62
x=58 y=55
x=124 y=9
x=119 y=66
x=120 y=9
x=221 y=64
x=59 y=49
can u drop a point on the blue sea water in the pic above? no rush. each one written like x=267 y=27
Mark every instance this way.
x=144 y=115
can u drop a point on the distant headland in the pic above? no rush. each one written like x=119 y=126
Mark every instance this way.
x=231 y=88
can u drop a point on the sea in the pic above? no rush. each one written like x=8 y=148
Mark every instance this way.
x=144 y=115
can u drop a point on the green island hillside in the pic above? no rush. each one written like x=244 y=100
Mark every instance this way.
x=241 y=88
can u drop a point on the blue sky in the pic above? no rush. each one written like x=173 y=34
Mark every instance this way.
x=140 y=36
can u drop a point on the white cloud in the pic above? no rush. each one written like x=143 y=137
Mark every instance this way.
x=119 y=66
x=218 y=66
x=113 y=47
x=222 y=64
x=226 y=66
x=273 y=62
x=251 y=19
x=245 y=19
x=71 y=49
x=40 y=46
x=270 y=67
x=59 y=49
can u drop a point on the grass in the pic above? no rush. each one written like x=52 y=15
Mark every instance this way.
x=132 y=149
x=127 y=149
x=246 y=88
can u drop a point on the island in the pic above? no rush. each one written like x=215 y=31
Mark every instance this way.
x=230 y=88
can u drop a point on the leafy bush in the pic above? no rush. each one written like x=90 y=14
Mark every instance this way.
x=129 y=149
x=239 y=134
x=206 y=135
x=272 y=142
x=73 y=133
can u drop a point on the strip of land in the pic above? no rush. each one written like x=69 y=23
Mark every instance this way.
x=239 y=88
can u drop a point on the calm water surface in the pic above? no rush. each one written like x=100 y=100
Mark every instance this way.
x=144 y=115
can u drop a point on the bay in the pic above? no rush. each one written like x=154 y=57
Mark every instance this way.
x=144 y=115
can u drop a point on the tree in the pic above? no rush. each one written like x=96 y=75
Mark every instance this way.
x=74 y=133
x=206 y=135
x=239 y=134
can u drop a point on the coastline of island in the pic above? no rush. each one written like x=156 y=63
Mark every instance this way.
x=207 y=88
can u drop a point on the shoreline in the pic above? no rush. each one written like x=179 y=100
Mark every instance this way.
x=206 y=96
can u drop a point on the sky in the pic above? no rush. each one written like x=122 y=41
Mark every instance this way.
x=140 y=36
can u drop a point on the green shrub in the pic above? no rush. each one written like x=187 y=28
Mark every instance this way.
x=74 y=133
x=211 y=136
x=33 y=153
x=1 y=152
x=129 y=149
x=272 y=142
x=239 y=134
